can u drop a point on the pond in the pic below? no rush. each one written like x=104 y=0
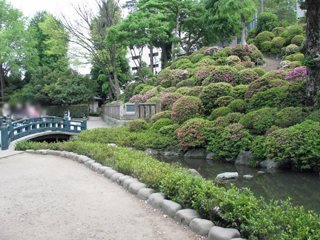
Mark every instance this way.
x=302 y=187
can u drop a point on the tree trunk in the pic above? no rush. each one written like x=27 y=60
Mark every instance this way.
x=175 y=34
x=2 y=82
x=312 y=49
x=151 y=58
x=243 y=32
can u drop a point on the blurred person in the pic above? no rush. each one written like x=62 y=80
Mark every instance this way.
x=18 y=112
x=69 y=115
x=6 y=111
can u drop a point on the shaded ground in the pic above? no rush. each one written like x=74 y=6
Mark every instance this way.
x=48 y=197
x=96 y=122
x=271 y=64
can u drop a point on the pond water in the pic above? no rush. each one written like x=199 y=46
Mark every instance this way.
x=302 y=187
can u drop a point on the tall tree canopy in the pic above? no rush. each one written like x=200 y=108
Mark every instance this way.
x=17 y=45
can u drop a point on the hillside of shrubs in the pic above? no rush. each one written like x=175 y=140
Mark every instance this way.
x=220 y=99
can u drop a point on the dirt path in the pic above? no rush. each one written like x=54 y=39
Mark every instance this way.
x=48 y=197
x=271 y=64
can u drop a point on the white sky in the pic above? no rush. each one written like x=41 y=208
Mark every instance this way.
x=55 y=7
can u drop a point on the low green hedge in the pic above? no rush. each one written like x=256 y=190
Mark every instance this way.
x=238 y=208
x=94 y=114
x=76 y=111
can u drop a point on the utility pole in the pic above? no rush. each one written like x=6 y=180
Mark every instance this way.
x=262 y=6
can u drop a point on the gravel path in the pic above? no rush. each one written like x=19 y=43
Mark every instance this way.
x=48 y=197
x=271 y=64
x=96 y=122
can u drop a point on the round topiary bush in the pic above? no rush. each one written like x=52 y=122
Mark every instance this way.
x=291 y=49
x=259 y=71
x=251 y=51
x=276 y=44
x=181 y=64
x=168 y=99
x=212 y=50
x=258 y=122
x=165 y=114
x=202 y=73
x=212 y=92
x=230 y=142
x=233 y=60
x=247 y=76
x=162 y=123
x=137 y=125
x=298 y=57
x=164 y=75
x=182 y=90
x=295 y=64
x=221 y=122
x=296 y=74
x=298 y=40
x=290 y=116
x=239 y=91
x=139 y=88
x=239 y=67
x=169 y=130
x=234 y=117
x=262 y=37
x=267 y=21
x=195 y=91
x=278 y=30
x=314 y=116
x=219 y=112
x=223 y=101
x=186 y=83
x=186 y=108
x=222 y=74
x=266 y=46
x=205 y=62
x=193 y=133
x=238 y=105
x=196 y=58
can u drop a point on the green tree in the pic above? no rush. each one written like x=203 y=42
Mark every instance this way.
x=17 y=46
x=52 y=41
x=266 y=22
x=242 y=9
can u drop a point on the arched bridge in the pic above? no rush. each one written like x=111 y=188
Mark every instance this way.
x=39 y=129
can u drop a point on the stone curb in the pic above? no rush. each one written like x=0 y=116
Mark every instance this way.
x=188 y=217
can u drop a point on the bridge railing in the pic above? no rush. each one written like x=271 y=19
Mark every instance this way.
x=12 y=130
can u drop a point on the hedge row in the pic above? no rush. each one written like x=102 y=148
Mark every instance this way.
x=76 y=111
x=235 y=207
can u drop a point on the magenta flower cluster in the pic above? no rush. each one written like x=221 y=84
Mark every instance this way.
x=297 y=73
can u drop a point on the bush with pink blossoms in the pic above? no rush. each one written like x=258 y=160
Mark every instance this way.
x=135 y=98
x=163 y=75
x=247 y=76
x=168 y=99
x=201 y=73
x=222 y=74
x=186 y=108
x=251 y=51
x=212 y=50
x=297 y=73
x=194 y=91
x=192 y=133
x=175 y=77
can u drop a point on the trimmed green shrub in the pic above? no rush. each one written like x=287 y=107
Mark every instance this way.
x=259 y=71
x=139 y=88
x=259 y=149
x=220 y=54
x=234 y=117
x=278 y=30
x=223 y=101
x=186 y=108
x=202 y=73
x=128 y=93
x=205 y=62
x=298 y=57
x=138 y=125
x=222 y=74
x=232 y=60
x=262 y=37
x=164 y=114
x=195 y=91
x=247 y=76
x=212 y=50
x=164 y=75
x=163 y=122
x=238 y=105
x=94 y=114
x=239 y=91
x=239 y=67
x=291 y=49
x=169 y=130
x=146 y=89
x=181 y=64
x=276 y=44
x=266 y=46
x=168 y=99
x=258 y=122
x=295 y=64
x=294 y=30
x=183 y=90
x=251 y=51
x=314 y=116
x=212 y=92
x=251 y=34
x=298 y=40
x=219 y=112
x=192 y=133
x=230 y=142
x=297 y=145
x=221 y=122
x=267 y=21
x=196 y=58
x=290 y=116
x=270 y=130
x=186 y=83
x=76 y=111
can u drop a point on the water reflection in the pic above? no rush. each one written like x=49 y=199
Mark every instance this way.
x=303 y=188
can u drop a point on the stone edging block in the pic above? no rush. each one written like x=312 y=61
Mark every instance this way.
x=156 y=200
x=108 y=173
x=185 y=216
x=115 y=176
x=121 y=180
x=135 y=187
x=128 y=181
x=89 y=163
x=101 y=170
x=170 y=208
x=144 y=193
x=219 y=233
x=201 y=226
x=95 y=166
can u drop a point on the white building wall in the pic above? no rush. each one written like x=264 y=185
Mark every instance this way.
x=145 y=58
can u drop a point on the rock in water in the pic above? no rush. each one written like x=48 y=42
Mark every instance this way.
x=227 y=176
